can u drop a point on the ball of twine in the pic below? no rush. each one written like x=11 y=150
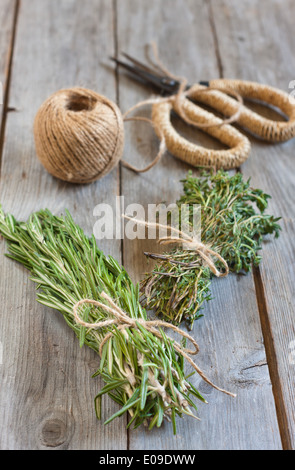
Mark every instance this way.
x=79 y=135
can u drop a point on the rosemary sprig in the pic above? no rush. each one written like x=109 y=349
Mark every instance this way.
x=231 y=226
x=143 y=373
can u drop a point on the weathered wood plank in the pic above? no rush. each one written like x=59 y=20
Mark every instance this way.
x=256 y=42
x=47 y=391
x=229 y=335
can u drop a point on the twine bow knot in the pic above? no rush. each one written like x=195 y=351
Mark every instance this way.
x=193 y=244
x=123 y=321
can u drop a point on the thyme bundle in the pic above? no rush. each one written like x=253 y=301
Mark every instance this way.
x=143 y=371
x=233 y=223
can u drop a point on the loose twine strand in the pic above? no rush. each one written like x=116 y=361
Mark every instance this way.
x=124 y=321
x=181 y=237
x=178 y=101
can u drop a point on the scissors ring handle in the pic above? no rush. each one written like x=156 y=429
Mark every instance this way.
x=195 y=155
x=267 y=129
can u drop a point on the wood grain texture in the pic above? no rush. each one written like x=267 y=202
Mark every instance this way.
x=46 y=386
x=229 y=335
x=256 y=43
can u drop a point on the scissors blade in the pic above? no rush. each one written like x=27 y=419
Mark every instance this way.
x=141 y=65
x=162 y=83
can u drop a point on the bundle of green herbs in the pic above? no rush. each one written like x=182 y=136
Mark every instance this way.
x=233 y=224
x=142 y=371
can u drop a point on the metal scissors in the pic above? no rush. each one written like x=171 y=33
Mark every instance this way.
x=218 y=95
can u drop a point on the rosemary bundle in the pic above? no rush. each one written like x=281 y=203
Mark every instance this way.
x=143 y=369
x=233 y=224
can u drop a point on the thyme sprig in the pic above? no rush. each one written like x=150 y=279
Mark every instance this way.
x=233 y=223
x=142 y=373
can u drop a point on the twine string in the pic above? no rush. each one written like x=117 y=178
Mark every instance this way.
x=162 y=146
x=124 y=321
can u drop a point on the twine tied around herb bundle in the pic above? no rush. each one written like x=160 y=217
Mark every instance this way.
x=192 y=244
x=123 y=321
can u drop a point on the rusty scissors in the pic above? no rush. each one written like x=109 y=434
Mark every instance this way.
x=219 y=95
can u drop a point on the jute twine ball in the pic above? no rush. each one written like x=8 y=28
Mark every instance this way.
x=79 y=135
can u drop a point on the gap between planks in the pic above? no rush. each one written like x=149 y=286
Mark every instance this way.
x=272 y=362
x=6 y=85
x=119 y=173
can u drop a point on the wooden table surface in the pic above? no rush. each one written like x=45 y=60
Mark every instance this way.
x=247 y=333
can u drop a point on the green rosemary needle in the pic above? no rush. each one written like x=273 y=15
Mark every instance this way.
x=143 y=373
x=233 y=224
